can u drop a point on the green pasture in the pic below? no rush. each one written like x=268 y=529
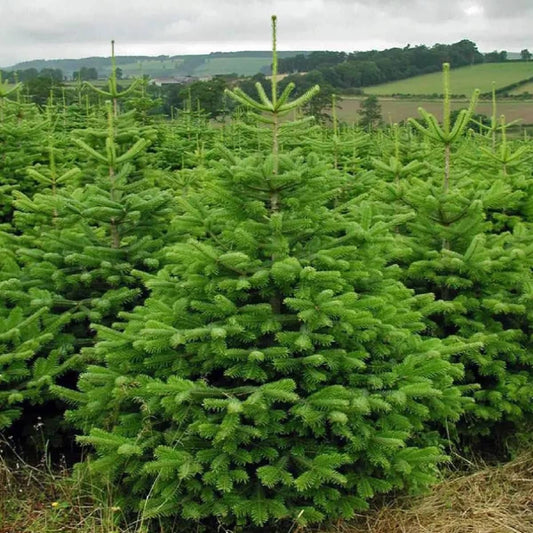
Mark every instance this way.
x=135 y=69
x=244 y=66
x=525 y=88
x=463 y=80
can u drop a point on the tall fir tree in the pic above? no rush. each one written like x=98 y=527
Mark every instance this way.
x=276 y=371
x=479 y=272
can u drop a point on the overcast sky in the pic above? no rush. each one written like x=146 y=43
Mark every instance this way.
x=48 y=29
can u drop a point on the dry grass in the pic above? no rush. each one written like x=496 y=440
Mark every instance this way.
x=45 y=499
x=492 y=499
x=495 y=499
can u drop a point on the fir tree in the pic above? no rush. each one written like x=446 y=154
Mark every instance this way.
x=26 y=337
x=76 y=243
x=21 y=136
x=479 y=273
x=276 y=371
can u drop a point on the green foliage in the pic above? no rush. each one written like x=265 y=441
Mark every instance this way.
x=23 y=338
x=362 y=69
x=370 y=113
x=468 y=247
x=264 y=323
x=255 y=382
x=113 y=92
x=207 y=96
x=74 y=243
x=21 y=137
x=41 y=88
x=525 y=54
x=277 y=371
x=85 y=74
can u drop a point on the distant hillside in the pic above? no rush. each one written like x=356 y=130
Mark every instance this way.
x=351 y=73
x=245 y=63
x=463 y=80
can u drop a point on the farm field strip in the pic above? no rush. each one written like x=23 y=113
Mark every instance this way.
x=522 y=89
x=397 y=110
x=463 y=80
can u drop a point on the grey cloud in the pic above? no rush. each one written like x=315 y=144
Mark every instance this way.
x=74 y=28
x=508 y=10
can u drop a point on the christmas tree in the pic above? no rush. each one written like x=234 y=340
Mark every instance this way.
x=76 y=243
x=276 y=372
x=470 y=251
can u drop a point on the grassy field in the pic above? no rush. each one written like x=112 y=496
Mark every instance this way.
x=156 y=68
x=243 y=66
x=152 y=65
x=246 y=66
x=463 y=80
x=526 y=88
x=396 y=110
x=246 y=63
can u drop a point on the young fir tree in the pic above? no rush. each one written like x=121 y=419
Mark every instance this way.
x=144 y=103
x=347 y=147
x=504 y=166
x=77 y=242
x=26 y=336
x=184 y=141
x=113 y=93
x=21 y=136
x=480 y=275
x=276 y=371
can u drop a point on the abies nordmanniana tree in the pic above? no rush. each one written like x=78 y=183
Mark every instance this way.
x=469 y=247
x=24 y=333
x=276 y=371
x=22 y=134
x=29 y=328
x=69 y=259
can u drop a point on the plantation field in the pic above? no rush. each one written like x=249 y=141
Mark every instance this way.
x=463 y=80
x=154 y=67
x=260 y=324
x=397 y=110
